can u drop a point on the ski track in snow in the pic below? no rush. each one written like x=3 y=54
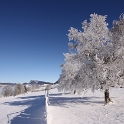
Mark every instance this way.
x=90 y=109
x=23 y=109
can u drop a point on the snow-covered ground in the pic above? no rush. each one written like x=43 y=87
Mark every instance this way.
x=63 y=109
x=89 y=109
x=23 y=109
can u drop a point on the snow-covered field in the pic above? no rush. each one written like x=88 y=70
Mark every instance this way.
x=89 y=109
x=63 y=109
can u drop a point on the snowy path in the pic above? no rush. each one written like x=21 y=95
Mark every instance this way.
x=23 y=109
x=90 y=109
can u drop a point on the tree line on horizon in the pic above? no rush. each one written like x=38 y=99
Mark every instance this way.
x=18 y=89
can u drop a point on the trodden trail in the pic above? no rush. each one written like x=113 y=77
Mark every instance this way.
x=24 y=109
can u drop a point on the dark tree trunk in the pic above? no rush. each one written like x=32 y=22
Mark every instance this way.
x=107 y=98
x=74 y=91
x=25 y=89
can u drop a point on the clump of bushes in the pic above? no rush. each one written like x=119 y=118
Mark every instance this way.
x=7 y=91
x=18 y=89
x=13 y=90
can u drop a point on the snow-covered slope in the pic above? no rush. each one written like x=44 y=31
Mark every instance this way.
x=89 y=109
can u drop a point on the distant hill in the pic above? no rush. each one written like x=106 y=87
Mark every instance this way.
x=38 y=82
x=31 y=83
x=8 y=84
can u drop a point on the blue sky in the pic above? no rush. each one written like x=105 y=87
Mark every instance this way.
x=33 y=34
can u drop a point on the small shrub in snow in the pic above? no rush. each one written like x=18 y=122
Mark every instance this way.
x=19 y=89
x=7 y=91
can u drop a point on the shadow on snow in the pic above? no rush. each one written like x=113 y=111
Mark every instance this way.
x=34 y=114
x=63 y=100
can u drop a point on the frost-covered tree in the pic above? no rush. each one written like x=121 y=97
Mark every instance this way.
x=118 y=51
x=7 y=91
x=93 y=53
x=88 y=44
x=18 y=89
